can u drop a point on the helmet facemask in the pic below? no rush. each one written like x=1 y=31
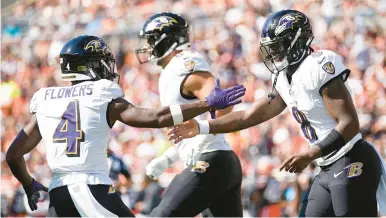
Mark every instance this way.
x=274 y=54
x=281 y=52
x=156 y=47
x=107 y=70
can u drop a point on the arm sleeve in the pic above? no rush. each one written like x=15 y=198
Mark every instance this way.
x=330 y=66
x=172 y=154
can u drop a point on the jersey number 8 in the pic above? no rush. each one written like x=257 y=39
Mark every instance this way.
x=308 y=130
x=68 y=131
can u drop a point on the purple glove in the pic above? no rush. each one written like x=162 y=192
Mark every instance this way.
x=33 y=195
x=223 y=98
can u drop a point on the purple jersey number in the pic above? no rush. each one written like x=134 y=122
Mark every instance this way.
x=68 y=131
x=308 y=130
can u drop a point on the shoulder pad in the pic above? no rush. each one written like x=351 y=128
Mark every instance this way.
x=35 y=101
x=331 y=63
x=192 y=62
x=109 y=90
x=328 y=66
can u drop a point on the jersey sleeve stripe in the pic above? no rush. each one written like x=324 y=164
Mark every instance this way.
x=108 y=117
x=187 y=97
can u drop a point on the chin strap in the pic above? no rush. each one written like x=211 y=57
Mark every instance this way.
x=272 y=95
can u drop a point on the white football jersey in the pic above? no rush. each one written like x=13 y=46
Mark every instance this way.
x=73 y=123
x=304 y=98
x=170 y=88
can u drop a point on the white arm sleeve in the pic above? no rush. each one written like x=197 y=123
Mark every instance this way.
x=172 y=154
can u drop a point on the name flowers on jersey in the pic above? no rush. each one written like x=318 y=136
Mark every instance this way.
x=67 y=92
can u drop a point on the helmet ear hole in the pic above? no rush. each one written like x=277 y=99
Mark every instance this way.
x=300 y=48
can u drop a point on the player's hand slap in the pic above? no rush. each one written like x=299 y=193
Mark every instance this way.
x=296 y=163
x=218 y=99
x=223 y=98
x=185 y=130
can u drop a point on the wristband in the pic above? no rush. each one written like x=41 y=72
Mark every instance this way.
x=203 y=126
x=333 y=141
x=177 y=115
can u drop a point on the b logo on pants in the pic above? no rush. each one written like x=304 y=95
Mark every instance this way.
x=354 y=169
x=200 y=167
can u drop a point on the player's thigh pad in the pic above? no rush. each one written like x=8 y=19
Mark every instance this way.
x=85 y=202
x=61 y=204
x=317 y=202
x=187 y=195
x=354 y=180
x=109 y=199
x=229 y=205
x=195 y=189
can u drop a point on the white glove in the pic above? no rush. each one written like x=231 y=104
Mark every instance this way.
x=192 y=157
x=157 y=166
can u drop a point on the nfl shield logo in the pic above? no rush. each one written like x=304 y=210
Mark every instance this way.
x=111 y=189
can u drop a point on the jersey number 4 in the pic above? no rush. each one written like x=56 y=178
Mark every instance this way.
x=68 y=131
x=308 y=130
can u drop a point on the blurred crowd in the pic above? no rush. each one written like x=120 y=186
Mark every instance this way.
x=227 y=32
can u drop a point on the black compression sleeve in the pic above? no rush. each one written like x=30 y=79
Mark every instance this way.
x=16 y=160
x=333 y=141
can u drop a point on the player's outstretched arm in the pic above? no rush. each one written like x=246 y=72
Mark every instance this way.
x=122 y=110
x=199 y=84
x=260 y=112
x=26 y=140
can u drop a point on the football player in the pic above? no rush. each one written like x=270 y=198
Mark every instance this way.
x=75 y=121
x=212 y=175
x=312 y=85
